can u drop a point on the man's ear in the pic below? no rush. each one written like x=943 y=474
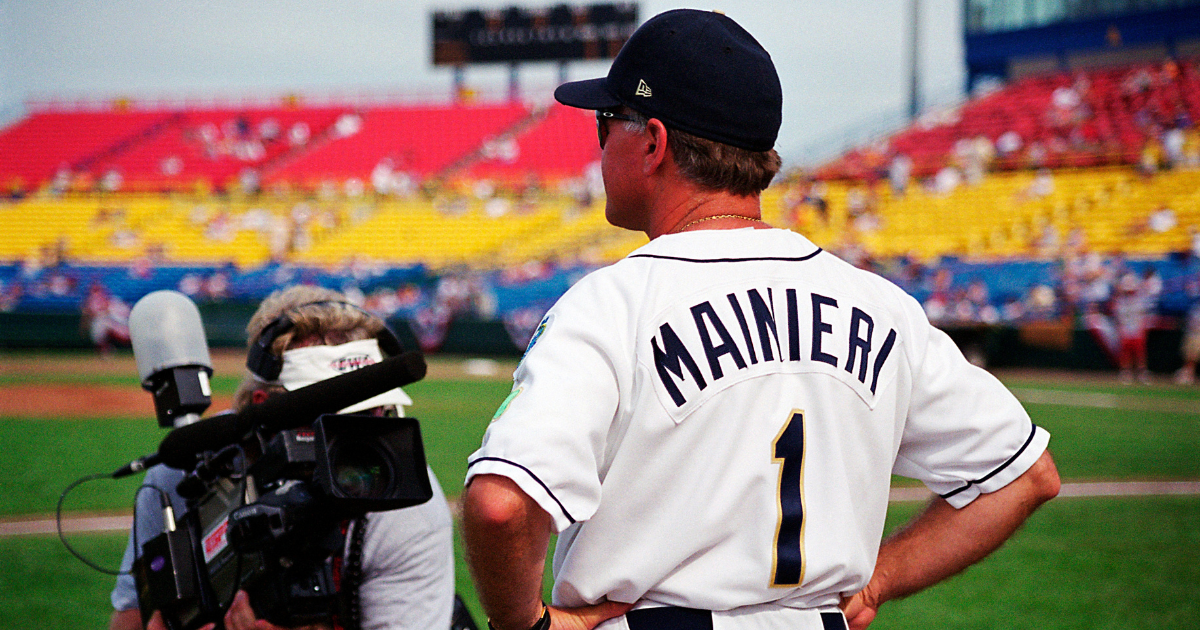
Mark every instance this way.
x=656 y=145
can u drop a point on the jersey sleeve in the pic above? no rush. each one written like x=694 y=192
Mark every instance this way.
x=550 y=436
x=148 y=523
x=965 y=434
x=124 y=594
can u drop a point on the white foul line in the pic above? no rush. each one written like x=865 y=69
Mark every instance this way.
x=1097 y=400
x=122 y=522
x=1081 y=489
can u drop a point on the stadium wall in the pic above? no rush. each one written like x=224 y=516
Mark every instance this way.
x=1043 y=345
x=225 y=327
x=1102 y=41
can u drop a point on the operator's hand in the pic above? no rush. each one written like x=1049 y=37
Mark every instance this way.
x=859 y=609
x=240 y=616
x=586 y=617
x=156 y=622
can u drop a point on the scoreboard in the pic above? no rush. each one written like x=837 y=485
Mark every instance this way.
x=558 y=33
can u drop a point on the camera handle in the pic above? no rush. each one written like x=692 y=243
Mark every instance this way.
x=210 y=606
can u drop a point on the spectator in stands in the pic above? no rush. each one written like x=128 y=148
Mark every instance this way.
x=10 y=295
x=191 y=284
x=1041 y=186
x=947 y=180
x=171 y=166
x=61 y=181
x=1162 y=220
x=381 y=177
x=268 y=130
x=971 y=157
x=142 y=267
x=111 y=181
x=1008 y=144
x=430 y=324
x=1151 y=156
x=1172 y=147
x=1150 y=287
x=937 y=305
x=238 y=127
x=354 y=187
x=1049 y=241
x=1182 y=119
x=867 y=221
x=1013 y=310
x=1072 y=278
x=221 y=227
x=1138 y=81
x=216 y=286
x=974 y=304
x=348 y=124
x=857 y=200
x=1035 y=154
x=57 y=282
x=1191 y=148
x=862 y=203
x=1067 y=111
x=899 y=172
x=1076 y=241
x=299 y=133
x=1065 y=98
x=852 y=250
x=1041 y=303
x=249 y=181
x=815 y=198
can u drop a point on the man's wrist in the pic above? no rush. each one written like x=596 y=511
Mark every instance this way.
x=543 y=622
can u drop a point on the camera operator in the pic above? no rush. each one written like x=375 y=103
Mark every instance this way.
x=406 y=556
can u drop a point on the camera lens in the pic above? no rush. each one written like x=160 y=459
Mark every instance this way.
x=359 y=469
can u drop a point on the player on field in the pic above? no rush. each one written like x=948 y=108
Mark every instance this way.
x=710 y=425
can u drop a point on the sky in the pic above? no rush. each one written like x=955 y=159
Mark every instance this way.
x=844 y=64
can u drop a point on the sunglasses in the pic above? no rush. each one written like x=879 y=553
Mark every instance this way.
x=602 y=129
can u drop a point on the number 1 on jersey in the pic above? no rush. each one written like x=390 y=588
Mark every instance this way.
x=788 y=452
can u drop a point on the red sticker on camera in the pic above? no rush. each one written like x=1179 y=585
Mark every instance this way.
x=215 y=540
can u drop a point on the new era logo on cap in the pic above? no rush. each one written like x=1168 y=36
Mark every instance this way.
x=642 y=89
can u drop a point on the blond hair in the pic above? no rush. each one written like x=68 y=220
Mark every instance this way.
x=715 y=165
x=319 y=316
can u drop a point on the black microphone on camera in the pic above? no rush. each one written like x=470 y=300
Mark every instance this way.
x=172 y=356
x=289 y=410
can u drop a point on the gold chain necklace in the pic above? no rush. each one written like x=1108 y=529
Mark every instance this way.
x=717 y=216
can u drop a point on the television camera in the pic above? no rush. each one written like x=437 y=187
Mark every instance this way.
x=269 y=489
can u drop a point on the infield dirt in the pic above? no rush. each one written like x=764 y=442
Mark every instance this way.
x=42 y=394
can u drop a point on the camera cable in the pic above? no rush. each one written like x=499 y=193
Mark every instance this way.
x=58 y=520
x=352 y=576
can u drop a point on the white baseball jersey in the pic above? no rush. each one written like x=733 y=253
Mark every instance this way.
x=712 y=422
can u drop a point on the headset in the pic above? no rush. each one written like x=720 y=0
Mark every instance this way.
x=265 y=365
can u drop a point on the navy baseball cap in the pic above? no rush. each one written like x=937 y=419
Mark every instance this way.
x=697 y=71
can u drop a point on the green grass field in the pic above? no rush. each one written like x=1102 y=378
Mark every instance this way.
x=1080 y=563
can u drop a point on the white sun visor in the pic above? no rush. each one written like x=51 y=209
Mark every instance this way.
x=305 y=366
